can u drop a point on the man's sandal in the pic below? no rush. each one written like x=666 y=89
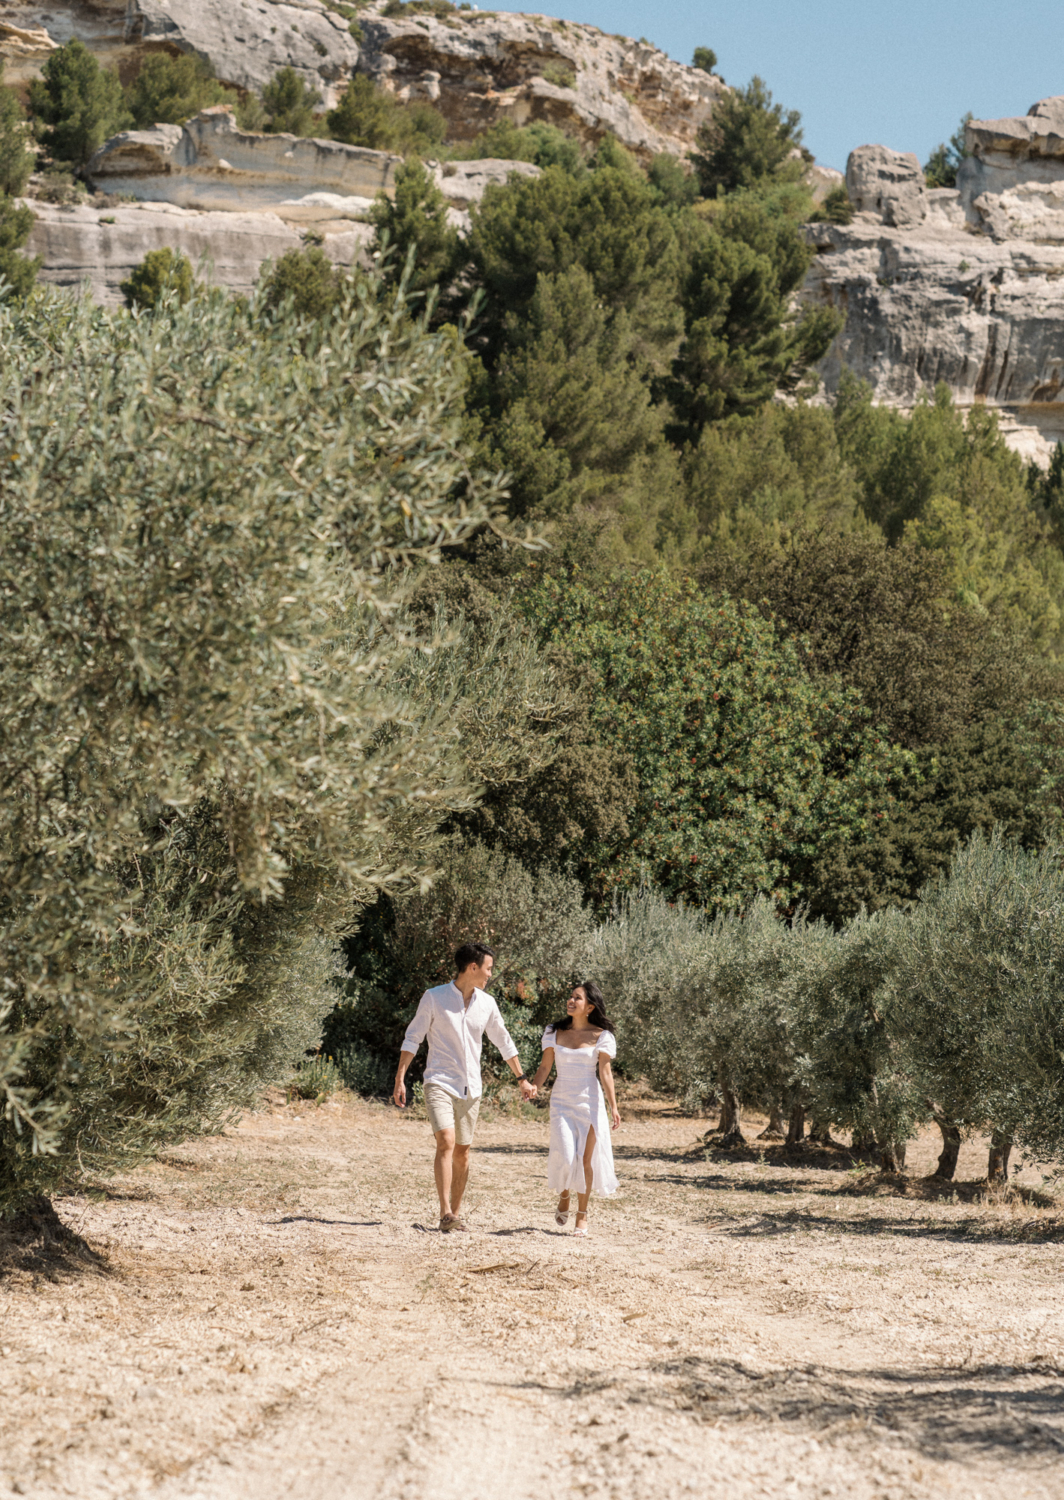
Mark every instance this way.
x=452 y=1224
x=581 y=1229
x=561 y=1216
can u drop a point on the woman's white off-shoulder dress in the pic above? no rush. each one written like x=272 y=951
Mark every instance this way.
x=577 y=1104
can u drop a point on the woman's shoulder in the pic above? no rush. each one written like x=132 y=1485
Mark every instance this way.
x=548 y=1036
x=607 y=1043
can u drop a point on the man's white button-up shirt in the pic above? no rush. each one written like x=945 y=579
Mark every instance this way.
x=456 y=1033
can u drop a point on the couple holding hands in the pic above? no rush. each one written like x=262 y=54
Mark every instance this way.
x=455 y=1018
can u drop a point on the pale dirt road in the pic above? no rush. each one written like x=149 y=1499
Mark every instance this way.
x=273 y=1314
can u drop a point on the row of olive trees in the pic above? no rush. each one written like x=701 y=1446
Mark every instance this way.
x=953 y=1013
x=220 y=733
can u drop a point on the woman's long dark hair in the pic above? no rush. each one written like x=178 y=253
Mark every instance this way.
x=596 y=1015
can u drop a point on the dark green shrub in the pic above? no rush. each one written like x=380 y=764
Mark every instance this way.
x=289 y=103
x=705 y=59
x=77 y=104
x=170 y=90
x=748 y=141
x=16 y=160
x=161 y=272
x=18 y=272
x=835 y=209
x=309 y=278
x=368 y=116
x=414 y=225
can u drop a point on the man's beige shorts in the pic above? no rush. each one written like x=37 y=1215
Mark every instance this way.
x=445 y=1112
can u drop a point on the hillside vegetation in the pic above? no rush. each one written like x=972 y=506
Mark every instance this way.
x=512 y=589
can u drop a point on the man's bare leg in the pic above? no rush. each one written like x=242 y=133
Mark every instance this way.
x=459 y=1176
x=444 y=1168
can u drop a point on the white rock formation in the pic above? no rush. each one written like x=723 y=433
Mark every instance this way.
x=889 y=184
x=481 y=67
x=247 y=41
x=965 y=286
x=462 y=183
x=211 y=164
x=98 y=248
x=476 y=66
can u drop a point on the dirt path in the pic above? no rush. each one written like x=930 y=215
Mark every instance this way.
x=273 y=1314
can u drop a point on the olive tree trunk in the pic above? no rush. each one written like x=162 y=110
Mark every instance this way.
x=729 y=1129
x=951 y=1145
x=997 y=1169
x=892 y=1157
x=774 y=1130
x=796 y=1125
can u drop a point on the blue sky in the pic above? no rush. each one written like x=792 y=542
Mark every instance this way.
x=901 y=75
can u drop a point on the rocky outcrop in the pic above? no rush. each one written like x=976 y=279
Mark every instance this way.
x=210 y=164
x=889 y=184
x=248 y=42
x=245 y=41
x=964 y=286
x=98 y=248
x=477 y=67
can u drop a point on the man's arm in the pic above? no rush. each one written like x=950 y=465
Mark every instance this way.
x=416 y=1033
x=498 y=1033
x=399 y=1091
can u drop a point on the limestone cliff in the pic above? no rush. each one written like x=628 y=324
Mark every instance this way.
x=99 y=247
x=476 y=67
x=964 y=286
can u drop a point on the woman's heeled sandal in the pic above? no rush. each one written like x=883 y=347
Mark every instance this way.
x=561 y=1217
x=581 y=1229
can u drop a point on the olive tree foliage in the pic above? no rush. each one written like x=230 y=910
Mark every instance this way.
x=535 y=922
x=209 y=751
x=857 y=1066
x=711 y=1007
x=980 y=998
x=650 y=960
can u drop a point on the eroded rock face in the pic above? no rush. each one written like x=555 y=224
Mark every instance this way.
x=889 y=184
x=247 y=41
x=964 y=286
x=211 y=164
x=476 y=67
x=479 y=68
x=100 y=247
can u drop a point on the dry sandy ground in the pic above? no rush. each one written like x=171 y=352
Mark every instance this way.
x=272 y=1313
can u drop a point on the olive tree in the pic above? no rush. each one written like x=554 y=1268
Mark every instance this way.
x=980 y=999
x=209 y=753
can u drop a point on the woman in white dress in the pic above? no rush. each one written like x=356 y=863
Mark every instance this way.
x=581 y=1157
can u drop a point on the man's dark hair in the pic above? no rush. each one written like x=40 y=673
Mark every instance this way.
x=471 y=953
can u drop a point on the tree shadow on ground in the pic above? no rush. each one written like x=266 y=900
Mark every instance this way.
x=37 y=1241
x=991 y=1230
x=996 y=1412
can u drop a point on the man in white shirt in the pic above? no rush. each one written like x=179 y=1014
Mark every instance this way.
x=455 y=1017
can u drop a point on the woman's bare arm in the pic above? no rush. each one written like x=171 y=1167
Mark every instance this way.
x=606 y=1078
x=543 y=1071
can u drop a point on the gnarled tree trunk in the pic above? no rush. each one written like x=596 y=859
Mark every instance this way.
x=892 y=1157
x=796 y=1125
x=820 y=1132
x=997 y=1169
x=773 y=1131
x=863 y=1140
x=951 y=1145
x=729 y=1129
